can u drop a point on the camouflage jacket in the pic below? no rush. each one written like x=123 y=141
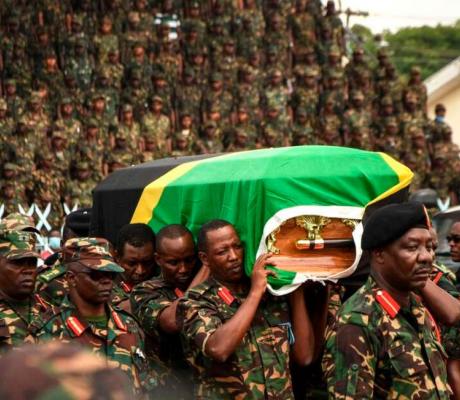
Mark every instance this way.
x=120 y=341
x=148 y=300
x=378 y=349
x=120 y=296
x=450 y=335
x=15 y=318
x=259 y=367
x=51 y=283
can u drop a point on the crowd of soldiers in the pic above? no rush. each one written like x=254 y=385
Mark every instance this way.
x=92 y=86
x=170 y=318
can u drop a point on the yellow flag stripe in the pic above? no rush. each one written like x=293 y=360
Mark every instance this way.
x=152 y=192
x=405 y=176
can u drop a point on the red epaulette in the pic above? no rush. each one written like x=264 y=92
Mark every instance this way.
x=225 y=295
x=118 y=322
x=179 y=293
x=438 y=277
x=127 y=288
x=387 y=302
x=75 y=325
x=40 y=301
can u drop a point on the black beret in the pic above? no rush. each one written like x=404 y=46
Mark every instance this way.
x=78 y=221
x=390 y=222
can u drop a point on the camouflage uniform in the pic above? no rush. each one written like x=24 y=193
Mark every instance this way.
x=116 y=336
x=15 y=315
x=259 y=367
x=51 y=284
x=379 y=349
x=157 y=126
x=148 y=300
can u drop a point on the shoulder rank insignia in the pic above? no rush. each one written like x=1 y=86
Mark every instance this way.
x=40 y=301
x=127 y=288
x=75 y=326
x=387 y=302
x=118 y=322
x=179 y=293
x=225 y=295
x=437 y=277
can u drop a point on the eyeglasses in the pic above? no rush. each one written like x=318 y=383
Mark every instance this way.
x=98 y=275
x=453 y=238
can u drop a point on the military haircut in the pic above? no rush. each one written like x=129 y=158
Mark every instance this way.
x=173 y=231
x=213 y=225
x=136 y=235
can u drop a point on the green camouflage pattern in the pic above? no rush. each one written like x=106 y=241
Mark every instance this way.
x=119 y=340
x=450 y=335
x=15 y=318
x=148 y=300
x=15 y=244
x=259 y=367
x=51 y=283
x=93 y=253
x=368 y=354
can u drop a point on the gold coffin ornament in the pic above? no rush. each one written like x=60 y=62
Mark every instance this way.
x=315 y=245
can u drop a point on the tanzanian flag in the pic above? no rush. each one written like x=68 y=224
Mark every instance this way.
x=255 y=190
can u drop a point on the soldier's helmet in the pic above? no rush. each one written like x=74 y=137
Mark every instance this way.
x=16 y=244
x=19 y=222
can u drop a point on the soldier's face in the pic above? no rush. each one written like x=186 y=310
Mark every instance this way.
x=406 y=263
x=67 y=109
x=224 y=254
x=83 y=174
x=10 y=89
x=138 y=262
x=177 y=259
x=17 y=277
x=454 y=242
x=93 y=287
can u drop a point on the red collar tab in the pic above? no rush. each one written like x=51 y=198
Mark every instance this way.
x=437 y=277
x=225 y=295
x=75 y=326
x=127 y=288
x=179 y=293
x=40 y=301
x=436 y=329
x=118 y=322
x=387 y=302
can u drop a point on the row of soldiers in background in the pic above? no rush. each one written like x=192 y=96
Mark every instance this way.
x=93 y=89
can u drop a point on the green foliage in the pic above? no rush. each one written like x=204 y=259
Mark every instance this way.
x=429 y=47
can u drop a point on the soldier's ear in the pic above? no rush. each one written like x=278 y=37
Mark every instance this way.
x=378 y=256
x=203 y=258
x=70 y=276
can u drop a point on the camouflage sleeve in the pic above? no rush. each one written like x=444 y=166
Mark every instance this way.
x=199 y=321
x=446 y=284
x=349 y=363
x=147 y=304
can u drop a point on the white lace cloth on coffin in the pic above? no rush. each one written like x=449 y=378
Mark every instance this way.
x=283 y=215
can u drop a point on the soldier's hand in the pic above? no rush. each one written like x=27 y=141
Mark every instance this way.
x=260 y=273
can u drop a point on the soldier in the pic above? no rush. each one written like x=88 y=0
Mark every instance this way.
x=135 y=248
x=6 y=122
x=128 y=127
x=154 y=302
x=50 y=74
x=51 y=284
x=60 y=153
x=358 y=117
x=451 y=335
x=417 y=86
x=35 y=116
x=48 y=187
x=81 y=62
x=210 y=142
x=306 y=95
x=233 y=333
x=303 y=25
x=302 y=129
x=105 y=40
x=244 y=123
x=240 y=142
x=247 y=94
x=18 y=304
x=136 y=93
x=218 y=96
x=355 y=68
x=14 y=102
x=67 y=123
x=188 y=95
x=86 y=316
x=182 y=144
x=384 y=343
x=79 y=190
x=438 y=125
x=114 y=69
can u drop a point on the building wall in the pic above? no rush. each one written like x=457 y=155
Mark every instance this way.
x=451 y=100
